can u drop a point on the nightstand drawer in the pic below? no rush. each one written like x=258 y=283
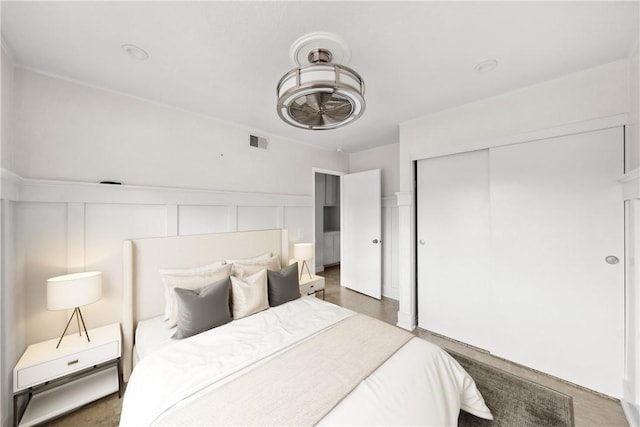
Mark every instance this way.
x=309 y=288
x=311 y=285
x=37 y=374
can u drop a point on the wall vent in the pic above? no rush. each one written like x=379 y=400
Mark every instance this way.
x=258 y=142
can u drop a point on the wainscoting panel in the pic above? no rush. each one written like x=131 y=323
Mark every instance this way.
x=257 y=218
x=297 y=221
x=40 y=253
x=206 y=219
x=107 y=225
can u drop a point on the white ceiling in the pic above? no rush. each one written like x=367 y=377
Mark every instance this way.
x=224 y=59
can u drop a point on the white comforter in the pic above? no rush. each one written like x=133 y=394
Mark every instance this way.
x=419 y=385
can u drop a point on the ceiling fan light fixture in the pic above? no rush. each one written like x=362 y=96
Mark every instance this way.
x=320 y=95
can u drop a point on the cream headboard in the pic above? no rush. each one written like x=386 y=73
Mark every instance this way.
x=143 y=291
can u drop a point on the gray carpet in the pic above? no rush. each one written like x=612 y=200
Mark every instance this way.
x=515 y=401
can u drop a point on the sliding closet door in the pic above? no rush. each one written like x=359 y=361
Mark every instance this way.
x=556 y=215
x=520 y=251
x=453 y=245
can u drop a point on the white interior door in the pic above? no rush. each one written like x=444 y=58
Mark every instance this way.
x=556 y=215
x=360 y=233
x=453 y=245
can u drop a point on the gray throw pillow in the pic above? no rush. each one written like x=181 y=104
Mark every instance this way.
x=283 y=285
x=202 y=309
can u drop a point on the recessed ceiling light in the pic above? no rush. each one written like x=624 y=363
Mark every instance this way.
x=486 y=66
x=135 y=52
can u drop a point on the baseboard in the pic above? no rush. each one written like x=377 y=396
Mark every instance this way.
x=406 y=321
x=390 y=296
x=631 y=412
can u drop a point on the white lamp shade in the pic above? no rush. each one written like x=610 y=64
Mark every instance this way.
x=303 y=251
x=73 y=290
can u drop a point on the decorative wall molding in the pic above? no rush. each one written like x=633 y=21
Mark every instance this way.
x=390 y=286
x=404 y=198
x=10 y=185
x=630 y=185
x=406 y=262
x=631 y=383
x=389 y=202
x=16 y=188
x=631 y=412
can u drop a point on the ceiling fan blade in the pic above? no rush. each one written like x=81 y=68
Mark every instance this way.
x=314 y=101
x=325 y=98
x=339 y=113
x=334 y=102
x=301 y=115
x=301 y=104
x=315 y=121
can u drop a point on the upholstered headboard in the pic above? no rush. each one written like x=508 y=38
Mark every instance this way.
x=143 y=291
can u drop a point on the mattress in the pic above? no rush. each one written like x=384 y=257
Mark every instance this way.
x=419 y=384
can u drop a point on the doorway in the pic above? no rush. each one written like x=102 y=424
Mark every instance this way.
x=326 y=219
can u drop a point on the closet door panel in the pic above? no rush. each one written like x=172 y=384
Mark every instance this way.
x=556 y=214
x=453 y=242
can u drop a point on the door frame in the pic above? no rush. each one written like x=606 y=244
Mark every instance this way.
x=313 y=204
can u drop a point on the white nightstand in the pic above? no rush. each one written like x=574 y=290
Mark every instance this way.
x=310 y=286
x=56 y=381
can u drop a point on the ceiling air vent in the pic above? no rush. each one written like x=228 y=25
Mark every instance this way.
x=258 y=142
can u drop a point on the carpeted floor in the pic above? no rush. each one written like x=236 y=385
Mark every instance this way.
x=515 y=401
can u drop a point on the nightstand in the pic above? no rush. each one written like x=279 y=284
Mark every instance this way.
x=310 y=286
x=56 y=381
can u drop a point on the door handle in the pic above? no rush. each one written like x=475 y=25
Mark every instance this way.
x=612 y=259
x=376 y=241
x=421 y=242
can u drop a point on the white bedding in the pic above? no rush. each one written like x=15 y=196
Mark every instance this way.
x=419 y=384
x=151 y=335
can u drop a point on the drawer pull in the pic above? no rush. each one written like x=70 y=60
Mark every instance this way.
x=73 y=362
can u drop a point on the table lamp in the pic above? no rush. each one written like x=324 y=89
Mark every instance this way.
x=73 y=291
x=304 y=252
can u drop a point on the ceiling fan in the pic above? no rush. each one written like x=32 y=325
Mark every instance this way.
x=321 y=92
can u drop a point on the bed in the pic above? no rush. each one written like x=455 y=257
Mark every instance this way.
x=302 y=362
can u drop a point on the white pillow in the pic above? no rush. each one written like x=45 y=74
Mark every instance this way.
x=260 y=258
x=249 y=295
x=183 y=272
x=244 y=269
x=192 y=278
